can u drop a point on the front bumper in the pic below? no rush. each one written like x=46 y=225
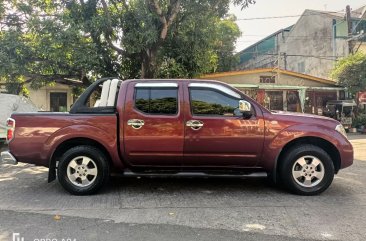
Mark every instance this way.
x=7 y=157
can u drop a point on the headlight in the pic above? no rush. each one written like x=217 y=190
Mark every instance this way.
x=341 y=130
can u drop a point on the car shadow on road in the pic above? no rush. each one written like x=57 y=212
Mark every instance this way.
x=191 y=185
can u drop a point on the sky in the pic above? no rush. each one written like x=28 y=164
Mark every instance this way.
x=254 y=30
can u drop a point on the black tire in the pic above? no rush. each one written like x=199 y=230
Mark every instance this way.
x=102 y=165
x=287 y=164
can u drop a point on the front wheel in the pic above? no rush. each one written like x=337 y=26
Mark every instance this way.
x=83 y=170
x=306 y=170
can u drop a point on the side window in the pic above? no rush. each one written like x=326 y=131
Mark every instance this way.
x=155 y=101
x=212 y=102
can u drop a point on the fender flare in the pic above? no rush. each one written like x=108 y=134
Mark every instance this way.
x=274 y=148
x=108 y=141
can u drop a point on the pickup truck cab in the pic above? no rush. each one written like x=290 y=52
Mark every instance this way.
x=177 y=127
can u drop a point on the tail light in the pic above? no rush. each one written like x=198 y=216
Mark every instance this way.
x=10 y=127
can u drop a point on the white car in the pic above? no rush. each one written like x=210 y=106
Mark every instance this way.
x=9 y=104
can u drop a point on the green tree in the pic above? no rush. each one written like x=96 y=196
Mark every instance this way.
x=228 y=32
x=147 y=26
x=351 y=72
x=39 y=45
x=42 y=41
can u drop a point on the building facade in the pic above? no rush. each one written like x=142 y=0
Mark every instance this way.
x=310 y=46
x=56 y=97
x=265 y=53
x=282 y=89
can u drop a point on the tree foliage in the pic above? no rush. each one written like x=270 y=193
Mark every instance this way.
x=351 y=72
x=42 y=41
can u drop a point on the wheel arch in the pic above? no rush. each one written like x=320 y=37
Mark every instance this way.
x=72 y=142
x=327 y=146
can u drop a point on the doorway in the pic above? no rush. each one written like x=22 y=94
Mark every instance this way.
x=58 y=102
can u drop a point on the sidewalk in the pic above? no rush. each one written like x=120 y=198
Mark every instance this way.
x=356 y=136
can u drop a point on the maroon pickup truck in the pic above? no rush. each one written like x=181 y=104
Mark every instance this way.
x=177 y=127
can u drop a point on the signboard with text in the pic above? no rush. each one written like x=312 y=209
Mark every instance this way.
x=267 y=79
x=362 y=97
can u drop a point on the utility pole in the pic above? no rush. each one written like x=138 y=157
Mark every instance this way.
x=285 y=60
x=349 y=28
x=278 y=65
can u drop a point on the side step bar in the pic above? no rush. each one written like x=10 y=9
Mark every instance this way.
x=129 y=173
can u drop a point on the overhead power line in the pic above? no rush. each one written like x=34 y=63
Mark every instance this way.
x=289 y=36
x=292 y=39
x=325 y=57
x=287 y=16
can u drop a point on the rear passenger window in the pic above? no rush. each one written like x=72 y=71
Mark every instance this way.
x=155 y=101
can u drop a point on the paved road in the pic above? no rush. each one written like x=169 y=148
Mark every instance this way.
x=183 y=209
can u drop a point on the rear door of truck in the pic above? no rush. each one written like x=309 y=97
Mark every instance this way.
x=153 y=123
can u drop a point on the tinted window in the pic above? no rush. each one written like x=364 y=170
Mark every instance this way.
x=157 y=100
x=211 y=102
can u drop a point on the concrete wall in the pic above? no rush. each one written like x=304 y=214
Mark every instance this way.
x=2 y=88
x=269 y=59
x=41 y=97
x=312 y=35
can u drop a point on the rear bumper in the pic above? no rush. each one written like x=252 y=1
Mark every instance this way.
x=7 y=157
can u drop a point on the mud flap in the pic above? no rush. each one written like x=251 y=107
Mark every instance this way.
x=52 y=171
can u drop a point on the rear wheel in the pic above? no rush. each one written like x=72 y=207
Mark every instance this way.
x=83 y=170
x=306 y=170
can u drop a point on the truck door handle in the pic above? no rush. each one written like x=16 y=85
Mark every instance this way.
x=135 y=123
x=194 y=124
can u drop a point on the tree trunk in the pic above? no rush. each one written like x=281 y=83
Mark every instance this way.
x=148 y=65
x=149 y=57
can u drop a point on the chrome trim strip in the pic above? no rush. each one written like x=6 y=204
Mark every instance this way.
x=7 y=157
x=171 y=85
x=216 y=87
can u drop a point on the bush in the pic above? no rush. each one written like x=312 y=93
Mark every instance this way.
x=359 y=121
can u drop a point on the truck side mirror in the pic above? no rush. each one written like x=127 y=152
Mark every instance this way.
x=245 y=108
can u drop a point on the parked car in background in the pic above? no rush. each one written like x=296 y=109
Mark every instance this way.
x=9 y=104
x=342 y=111
x=177 y=127
x=2 y=135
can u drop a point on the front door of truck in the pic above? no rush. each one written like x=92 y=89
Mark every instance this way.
x=216 y=133
x=153 y=124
